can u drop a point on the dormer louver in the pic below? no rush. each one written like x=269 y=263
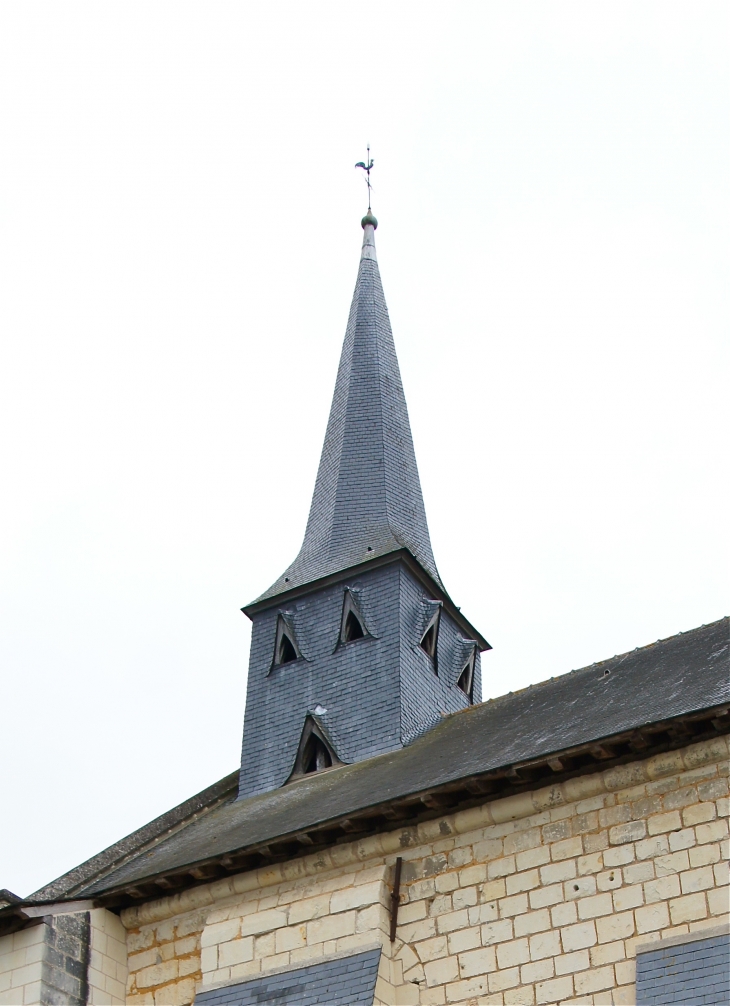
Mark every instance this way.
x=352 y=624
x=315 y=752
x=430 y=637
x=353 y=628
x=286 y=648
x=466 y=678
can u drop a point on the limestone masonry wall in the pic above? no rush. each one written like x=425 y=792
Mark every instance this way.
x=539 y=898
x=107 y=959
x=67 y=957
x=21 y=963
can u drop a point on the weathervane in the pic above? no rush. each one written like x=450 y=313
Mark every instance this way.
x=367 y=167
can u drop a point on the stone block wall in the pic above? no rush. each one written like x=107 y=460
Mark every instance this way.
x=539 y=898
x=550 y=908
x=107 y=972
x=293 y=923
x=164 y=959
x=68 y=957
x=21 y=961
x=46 y=963
x=264 y=929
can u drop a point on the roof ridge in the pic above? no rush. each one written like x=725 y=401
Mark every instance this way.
x=588 y=667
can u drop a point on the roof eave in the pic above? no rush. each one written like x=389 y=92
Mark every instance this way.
x=435 y=801
x=109 y=859
x=402 y=555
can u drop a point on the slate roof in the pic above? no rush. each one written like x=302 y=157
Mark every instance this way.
x=671 y=678
x=694 y=973
x=345 y=981
x=367 y=499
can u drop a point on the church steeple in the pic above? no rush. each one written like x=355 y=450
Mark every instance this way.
x=356 y=648
x=367 y=499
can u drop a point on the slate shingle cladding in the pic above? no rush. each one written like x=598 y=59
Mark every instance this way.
x=379 y=692
x=382 y=691
x=345 y=981
x=671 y=678
x=367 y=499
x=690 y=974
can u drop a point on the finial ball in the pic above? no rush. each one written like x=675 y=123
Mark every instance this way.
x=369 y=219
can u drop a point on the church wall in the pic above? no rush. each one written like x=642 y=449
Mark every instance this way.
x=69 y=957
x=107 y=972
x=21 y=963
x=538 y=898
x=48 y=962
x=164 y=959
x=341 y=912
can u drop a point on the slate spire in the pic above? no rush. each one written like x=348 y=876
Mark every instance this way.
x=357 y=649
x=367 y=499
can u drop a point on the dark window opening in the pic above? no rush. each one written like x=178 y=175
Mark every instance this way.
x=315 y=756
x=285 y=653
x=353 y=628
x=315 y=752
x=286 y=647
x=429 y=639
x=352 y=624
x=428 y=643
x=466 y=679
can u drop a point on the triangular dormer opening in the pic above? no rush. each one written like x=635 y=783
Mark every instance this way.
x=286 y=652
x=430 y=638
x=315 y=752
x=316 y=756
x=466 y=678
x=353 y=628
x=352 y=624
x=286 y=649
x=428 y=643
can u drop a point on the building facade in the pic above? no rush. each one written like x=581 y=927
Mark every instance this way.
x=389 y=838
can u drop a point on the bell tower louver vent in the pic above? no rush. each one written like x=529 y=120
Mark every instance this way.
x=316 y=756
x=315 y=752
x=286 y=650
x=430 y=638
x=466 y=678
x=352 y=625
x=353 y=628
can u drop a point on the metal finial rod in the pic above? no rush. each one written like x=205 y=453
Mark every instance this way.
x=367 y=166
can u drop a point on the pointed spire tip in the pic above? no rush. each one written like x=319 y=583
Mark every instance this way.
x=369 y=218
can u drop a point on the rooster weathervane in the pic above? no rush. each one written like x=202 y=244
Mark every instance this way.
x=367 y=165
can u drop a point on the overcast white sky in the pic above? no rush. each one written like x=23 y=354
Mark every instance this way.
x=179 y=242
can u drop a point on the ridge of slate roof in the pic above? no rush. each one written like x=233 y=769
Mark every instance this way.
x=367 y=499
x=681 y=675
